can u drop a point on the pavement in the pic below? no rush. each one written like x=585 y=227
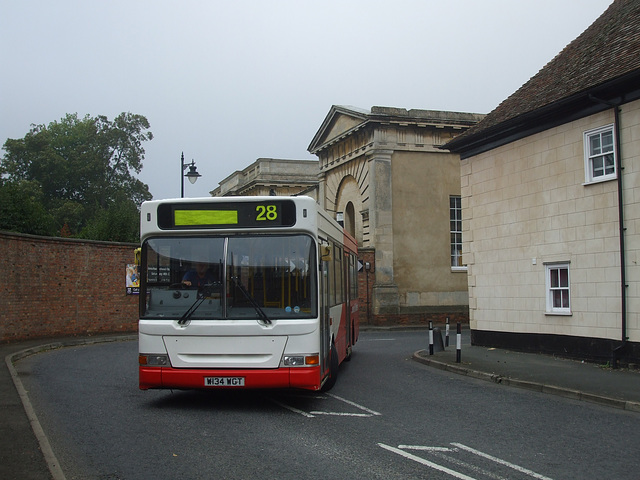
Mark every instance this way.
x=25 y=453
x=619 y=388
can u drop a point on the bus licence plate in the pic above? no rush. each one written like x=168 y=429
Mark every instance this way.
x=224 y=381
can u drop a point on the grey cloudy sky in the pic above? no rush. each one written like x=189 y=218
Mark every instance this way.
x=228 y=82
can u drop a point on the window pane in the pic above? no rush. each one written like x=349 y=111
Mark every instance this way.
x=607 y=141
x=554 y=278
x=564 y=277
x=609 y=164
x=598 y=166
x=594 y=141
x=557 y=299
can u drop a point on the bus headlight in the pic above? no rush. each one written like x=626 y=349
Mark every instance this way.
x=153 y=360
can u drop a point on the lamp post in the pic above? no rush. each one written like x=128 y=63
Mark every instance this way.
x=192 y=174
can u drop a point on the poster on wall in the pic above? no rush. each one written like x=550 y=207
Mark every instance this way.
x=133 y=280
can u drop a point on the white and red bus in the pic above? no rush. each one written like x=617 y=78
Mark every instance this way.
x=244 y=292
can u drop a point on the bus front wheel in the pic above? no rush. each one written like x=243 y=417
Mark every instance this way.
x=333 y=369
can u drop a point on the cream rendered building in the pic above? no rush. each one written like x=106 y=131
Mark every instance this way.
x=382 y=173
x=551 y=203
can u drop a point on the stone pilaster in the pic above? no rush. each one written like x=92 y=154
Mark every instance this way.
x=385 y=291
x=322 y=199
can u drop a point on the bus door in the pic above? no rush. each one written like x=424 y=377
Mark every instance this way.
x=325 y=327
x=347 y=263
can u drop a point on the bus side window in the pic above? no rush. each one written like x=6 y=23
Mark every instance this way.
x=353 y=273
x=339 y=272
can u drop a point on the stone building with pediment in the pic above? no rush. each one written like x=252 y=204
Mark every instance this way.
x=272 y=176
x=383 y=174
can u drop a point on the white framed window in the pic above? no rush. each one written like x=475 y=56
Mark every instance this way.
x=558 y=288
x=455 y=228
x=599 y=154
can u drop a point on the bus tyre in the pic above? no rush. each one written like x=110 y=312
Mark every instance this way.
x=333 y=369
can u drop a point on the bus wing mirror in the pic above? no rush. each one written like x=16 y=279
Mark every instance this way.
x=137 y=255
x=325 y=253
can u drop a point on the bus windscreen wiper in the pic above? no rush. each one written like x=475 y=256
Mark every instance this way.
x=203 y=293
x=263 y=316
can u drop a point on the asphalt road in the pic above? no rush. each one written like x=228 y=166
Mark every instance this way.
x=388 y=417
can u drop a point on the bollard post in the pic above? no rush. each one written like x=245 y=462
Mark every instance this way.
x=430 y=337
x=458 y=342
x=446 y=333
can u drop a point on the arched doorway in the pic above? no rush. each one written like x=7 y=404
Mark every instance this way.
x=350 y=219
x=349 y=203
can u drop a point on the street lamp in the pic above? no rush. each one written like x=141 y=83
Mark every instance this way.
x=192 y=174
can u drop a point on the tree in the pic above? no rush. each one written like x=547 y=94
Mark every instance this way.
x=22 y=210
x=118 y=223
x=83 y=167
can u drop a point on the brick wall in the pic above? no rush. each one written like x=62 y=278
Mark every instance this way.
x=57 y=287
x=366 y=278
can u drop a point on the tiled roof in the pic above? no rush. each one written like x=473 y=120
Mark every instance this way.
x=607 y=50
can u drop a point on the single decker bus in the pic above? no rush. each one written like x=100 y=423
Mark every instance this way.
x=244 y=292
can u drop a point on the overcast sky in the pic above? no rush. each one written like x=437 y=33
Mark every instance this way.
x=228 y=82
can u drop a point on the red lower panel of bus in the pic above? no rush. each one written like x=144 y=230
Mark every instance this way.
x=307 y=378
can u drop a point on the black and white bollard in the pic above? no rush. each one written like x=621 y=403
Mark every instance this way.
x=458 y=342
x=430 y=337
x=446 y=333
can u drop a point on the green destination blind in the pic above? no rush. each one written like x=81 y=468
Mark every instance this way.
x=206 y=217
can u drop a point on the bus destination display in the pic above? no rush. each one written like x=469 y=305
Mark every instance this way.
x=269 y=214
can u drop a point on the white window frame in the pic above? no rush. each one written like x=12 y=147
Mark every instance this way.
x=455 y=221
x=599 y=156
x=558 y=288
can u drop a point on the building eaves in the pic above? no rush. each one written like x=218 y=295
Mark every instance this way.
x=605 y=55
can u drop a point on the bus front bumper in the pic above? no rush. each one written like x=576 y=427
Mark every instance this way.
x=307 y=378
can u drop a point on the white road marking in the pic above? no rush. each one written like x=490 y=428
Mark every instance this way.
x=306 y=396
x=501 y=462
x=372 y=412
x=427 y=449
x=312 y=414
x=475 y=468
x=290 y=408
x=341 y=414
x=422 y=461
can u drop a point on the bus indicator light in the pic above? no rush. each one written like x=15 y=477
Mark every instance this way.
x=312 y=359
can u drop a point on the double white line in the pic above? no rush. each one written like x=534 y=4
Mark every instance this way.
x=400 y=450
